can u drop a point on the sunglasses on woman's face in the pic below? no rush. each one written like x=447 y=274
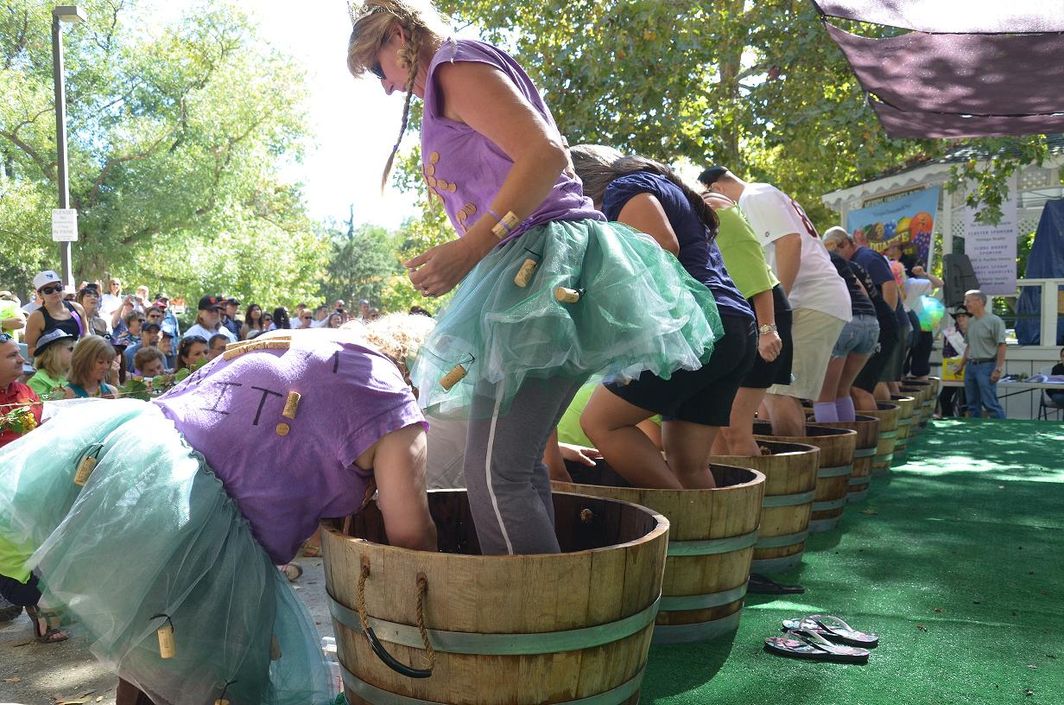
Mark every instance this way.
x=377 y=71
x=53 y=289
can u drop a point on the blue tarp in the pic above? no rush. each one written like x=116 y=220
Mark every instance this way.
x=1046 y=262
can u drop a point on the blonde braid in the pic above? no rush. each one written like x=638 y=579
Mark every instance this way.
x=410 y=55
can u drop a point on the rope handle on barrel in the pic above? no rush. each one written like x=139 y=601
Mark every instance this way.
x=375 y=644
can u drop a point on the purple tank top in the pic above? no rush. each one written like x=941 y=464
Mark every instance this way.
x=286 y=462
x=466 y=169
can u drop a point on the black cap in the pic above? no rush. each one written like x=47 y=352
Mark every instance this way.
x=231 y=300
x=959 y=311
x=151 y=326
x=209 y=302
x=712 y=174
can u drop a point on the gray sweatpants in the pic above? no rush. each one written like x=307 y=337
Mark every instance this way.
x=507 y=482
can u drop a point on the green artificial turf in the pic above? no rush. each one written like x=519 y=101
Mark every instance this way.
x=956 y=560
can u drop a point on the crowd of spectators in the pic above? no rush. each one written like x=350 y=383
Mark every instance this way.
x=89 y=341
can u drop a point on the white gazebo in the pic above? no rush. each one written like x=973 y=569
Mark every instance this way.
x=1034 y=186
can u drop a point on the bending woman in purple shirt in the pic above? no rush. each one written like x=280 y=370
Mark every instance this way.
x=172 y=514
x=550 y=292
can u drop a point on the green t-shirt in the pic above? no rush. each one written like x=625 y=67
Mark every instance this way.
x=13 y=561
x=44 y=384
x=984 y=335
x=569 y=430
x=743 y=256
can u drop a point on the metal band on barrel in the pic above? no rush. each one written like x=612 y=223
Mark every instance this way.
x=701 y=631
x=788 y=500
x=836 y=471
x=375 y=695
x=677 y=603
x=711 y=547
x=500 y=644
x=864 y=452
x=830 y=504
x=781 y=541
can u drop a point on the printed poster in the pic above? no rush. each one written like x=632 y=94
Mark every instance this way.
x=907 y=221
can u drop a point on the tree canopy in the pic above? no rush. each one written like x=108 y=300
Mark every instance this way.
x=176 y=141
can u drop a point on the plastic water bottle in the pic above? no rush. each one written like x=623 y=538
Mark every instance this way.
x=328 y=649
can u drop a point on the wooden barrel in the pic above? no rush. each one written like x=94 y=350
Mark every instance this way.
x=867 y=428
x=790 y=485
x=927 y=397
x=513 y=630
x=906 y=407
x=887 y=413
x=711 y=541
x=833 y=475
x=936 y=385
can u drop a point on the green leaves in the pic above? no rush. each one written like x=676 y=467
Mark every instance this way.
x=175 y=145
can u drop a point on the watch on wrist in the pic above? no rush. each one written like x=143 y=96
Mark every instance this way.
x=766 y=329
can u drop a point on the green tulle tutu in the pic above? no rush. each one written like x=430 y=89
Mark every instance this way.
x=153 y=532
x=638 y=310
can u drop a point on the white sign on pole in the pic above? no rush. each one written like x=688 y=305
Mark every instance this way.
x=65 y=225
x=992 y=248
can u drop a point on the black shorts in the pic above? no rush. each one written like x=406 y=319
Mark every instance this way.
x=763 y=374
x=701 y=396
x=24 y=594
x=873 y=370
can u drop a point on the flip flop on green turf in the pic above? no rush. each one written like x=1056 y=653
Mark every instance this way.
x=834 y=629
x=805 y=644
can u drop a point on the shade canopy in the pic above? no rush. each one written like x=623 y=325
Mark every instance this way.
x=924 y=125
x=967 y=70
x=955 y=16
x=995 y=74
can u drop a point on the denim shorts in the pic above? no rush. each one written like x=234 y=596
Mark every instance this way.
x=860 y=337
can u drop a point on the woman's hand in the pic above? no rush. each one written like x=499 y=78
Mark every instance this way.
x=580 y=454
x=769 y=346
x=437 y=271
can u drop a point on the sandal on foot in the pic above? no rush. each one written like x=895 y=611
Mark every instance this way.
x=834 y=629
x=292 y=571
x=809 y=645
x=42 y=632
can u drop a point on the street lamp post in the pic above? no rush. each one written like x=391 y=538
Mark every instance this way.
x=72 y=14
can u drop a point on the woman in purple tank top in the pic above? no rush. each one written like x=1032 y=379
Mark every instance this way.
x=549 y=293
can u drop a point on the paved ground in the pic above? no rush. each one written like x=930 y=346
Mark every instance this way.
x=51 y=674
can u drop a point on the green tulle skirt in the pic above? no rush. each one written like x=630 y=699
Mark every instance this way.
x=153 y=532
x=638 y=310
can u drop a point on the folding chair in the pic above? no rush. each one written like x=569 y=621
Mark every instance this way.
x=1047 y=406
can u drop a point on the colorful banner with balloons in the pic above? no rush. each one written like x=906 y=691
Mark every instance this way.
x=906 y=221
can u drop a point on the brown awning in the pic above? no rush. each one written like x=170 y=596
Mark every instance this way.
x=924 y=125
x=955 y=16
x=967 y=69
x=980 y=74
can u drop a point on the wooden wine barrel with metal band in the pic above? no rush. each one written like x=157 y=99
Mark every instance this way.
x=419 y=628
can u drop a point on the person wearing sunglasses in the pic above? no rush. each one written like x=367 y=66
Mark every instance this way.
x=54 y=313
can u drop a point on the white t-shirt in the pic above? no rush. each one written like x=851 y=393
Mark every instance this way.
x=108 y=304
x=199 y=330
x=773 y=214
x=916 y=287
